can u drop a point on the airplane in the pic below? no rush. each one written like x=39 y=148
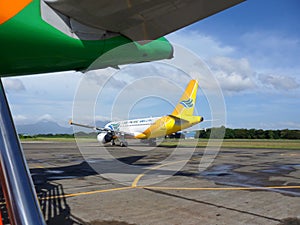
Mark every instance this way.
x=152 y=127
x=43 y=36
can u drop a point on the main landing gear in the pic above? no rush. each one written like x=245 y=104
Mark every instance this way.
x=123 y=143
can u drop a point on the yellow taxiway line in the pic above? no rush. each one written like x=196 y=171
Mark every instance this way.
x=84 y=193
x=165 y=188
x=168 y=188
x=219 y=188
x=139 y=177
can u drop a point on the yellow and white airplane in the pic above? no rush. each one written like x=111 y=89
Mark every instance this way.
x=153 y=127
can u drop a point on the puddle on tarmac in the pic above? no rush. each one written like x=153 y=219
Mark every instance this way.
x=226 y=174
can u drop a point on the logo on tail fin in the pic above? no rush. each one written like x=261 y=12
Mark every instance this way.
x=187 y=103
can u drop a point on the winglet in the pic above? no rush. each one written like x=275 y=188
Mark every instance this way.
x=186 y=104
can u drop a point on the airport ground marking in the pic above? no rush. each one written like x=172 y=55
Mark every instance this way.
x=38 y=167
x=218 y=188
x=85 y=193
x=163 y=188
x=79 y=194
x=168 y=188
x=139 y=177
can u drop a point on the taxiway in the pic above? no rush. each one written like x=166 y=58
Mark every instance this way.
x=90 y=184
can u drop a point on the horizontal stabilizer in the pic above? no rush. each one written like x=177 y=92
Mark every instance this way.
x=178 y=118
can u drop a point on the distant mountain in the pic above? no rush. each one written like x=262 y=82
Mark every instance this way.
x=43 y=127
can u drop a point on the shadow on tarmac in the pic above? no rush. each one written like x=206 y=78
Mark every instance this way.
x=54 y=205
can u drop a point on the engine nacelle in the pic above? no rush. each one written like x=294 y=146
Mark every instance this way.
x=105 y=137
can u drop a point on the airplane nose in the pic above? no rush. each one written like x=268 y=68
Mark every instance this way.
x=201 y=119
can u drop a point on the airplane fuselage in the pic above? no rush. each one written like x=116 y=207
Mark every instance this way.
x=153 y=127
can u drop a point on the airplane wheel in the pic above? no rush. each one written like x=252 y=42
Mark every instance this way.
x=124 y=144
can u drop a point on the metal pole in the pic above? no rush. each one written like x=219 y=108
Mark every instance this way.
x=19 y=192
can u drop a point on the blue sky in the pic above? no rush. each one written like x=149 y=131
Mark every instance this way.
x=253 y=50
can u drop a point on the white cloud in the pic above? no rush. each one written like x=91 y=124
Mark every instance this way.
x=20 y=119
x=279 y=82
x=46 y=117
x=234 y=82
x=104 y=77
x=279 y=125
x=100 y=118
x=234 y=75
x=268 y=51
x=204 y=45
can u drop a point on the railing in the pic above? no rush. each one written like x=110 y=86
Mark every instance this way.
x=23 y=207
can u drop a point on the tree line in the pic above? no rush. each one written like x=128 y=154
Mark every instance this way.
x=247 y=133
x=218 y=132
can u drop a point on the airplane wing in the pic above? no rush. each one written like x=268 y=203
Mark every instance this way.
x=88 y=126
x=140 y=19
x=116 y=132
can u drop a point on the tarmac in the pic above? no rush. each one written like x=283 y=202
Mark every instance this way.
x=86 y=183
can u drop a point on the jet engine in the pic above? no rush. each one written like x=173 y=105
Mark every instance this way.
x=105 y=137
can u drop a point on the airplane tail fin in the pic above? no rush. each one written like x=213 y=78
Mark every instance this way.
x=186 y=104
